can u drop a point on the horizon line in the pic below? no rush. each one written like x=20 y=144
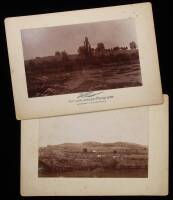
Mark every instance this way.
x=94 y=142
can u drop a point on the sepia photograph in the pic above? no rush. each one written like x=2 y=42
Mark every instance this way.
x=95 y=145
x=83 y=61
x=123 y=152
x=81 y=57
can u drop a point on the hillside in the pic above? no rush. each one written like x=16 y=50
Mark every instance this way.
x=97 y=159
x=90 y=145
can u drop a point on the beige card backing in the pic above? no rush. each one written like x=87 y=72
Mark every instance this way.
x=155 y=184
x=148 y=94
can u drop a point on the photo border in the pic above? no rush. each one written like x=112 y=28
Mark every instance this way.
x=155 y=184
x=148 y=94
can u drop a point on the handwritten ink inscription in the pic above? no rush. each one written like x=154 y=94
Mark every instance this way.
x=88 y=94
x=90 y=98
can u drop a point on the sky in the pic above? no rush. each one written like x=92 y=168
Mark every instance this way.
x=123 y=125
x=40 y=42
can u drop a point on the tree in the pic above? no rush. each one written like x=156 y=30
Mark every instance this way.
x=85 y=50
x=57 y=53
x=133 y=45
x=100 y=47
x=81 y=50
x=116 y=48
x=64 y=56
x=86 y=43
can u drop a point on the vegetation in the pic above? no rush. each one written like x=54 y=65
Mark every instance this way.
x=85 y=51
x=51 y=75
x=133 y=45
x=95 y=158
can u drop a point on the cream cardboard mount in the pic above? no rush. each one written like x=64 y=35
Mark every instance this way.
x=83 y=61
x=34 y=135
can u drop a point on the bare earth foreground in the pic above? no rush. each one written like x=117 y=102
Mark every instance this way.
x=93 y=159
x=46 y=76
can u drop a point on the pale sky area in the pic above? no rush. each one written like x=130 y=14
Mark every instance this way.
x=124 y=125
x=40 y=42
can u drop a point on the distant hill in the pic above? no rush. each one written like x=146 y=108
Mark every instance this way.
x=92 y=144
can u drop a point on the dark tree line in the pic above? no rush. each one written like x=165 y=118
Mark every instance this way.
x=86 y=51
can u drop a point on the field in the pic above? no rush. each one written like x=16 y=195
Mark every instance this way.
x=51 y=76
x=93 y=159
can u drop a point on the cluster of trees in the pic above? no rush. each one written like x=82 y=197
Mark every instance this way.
x=86 y=51
x=63 y=55
x=92 y=57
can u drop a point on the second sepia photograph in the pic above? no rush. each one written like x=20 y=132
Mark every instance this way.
x=104 y=144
